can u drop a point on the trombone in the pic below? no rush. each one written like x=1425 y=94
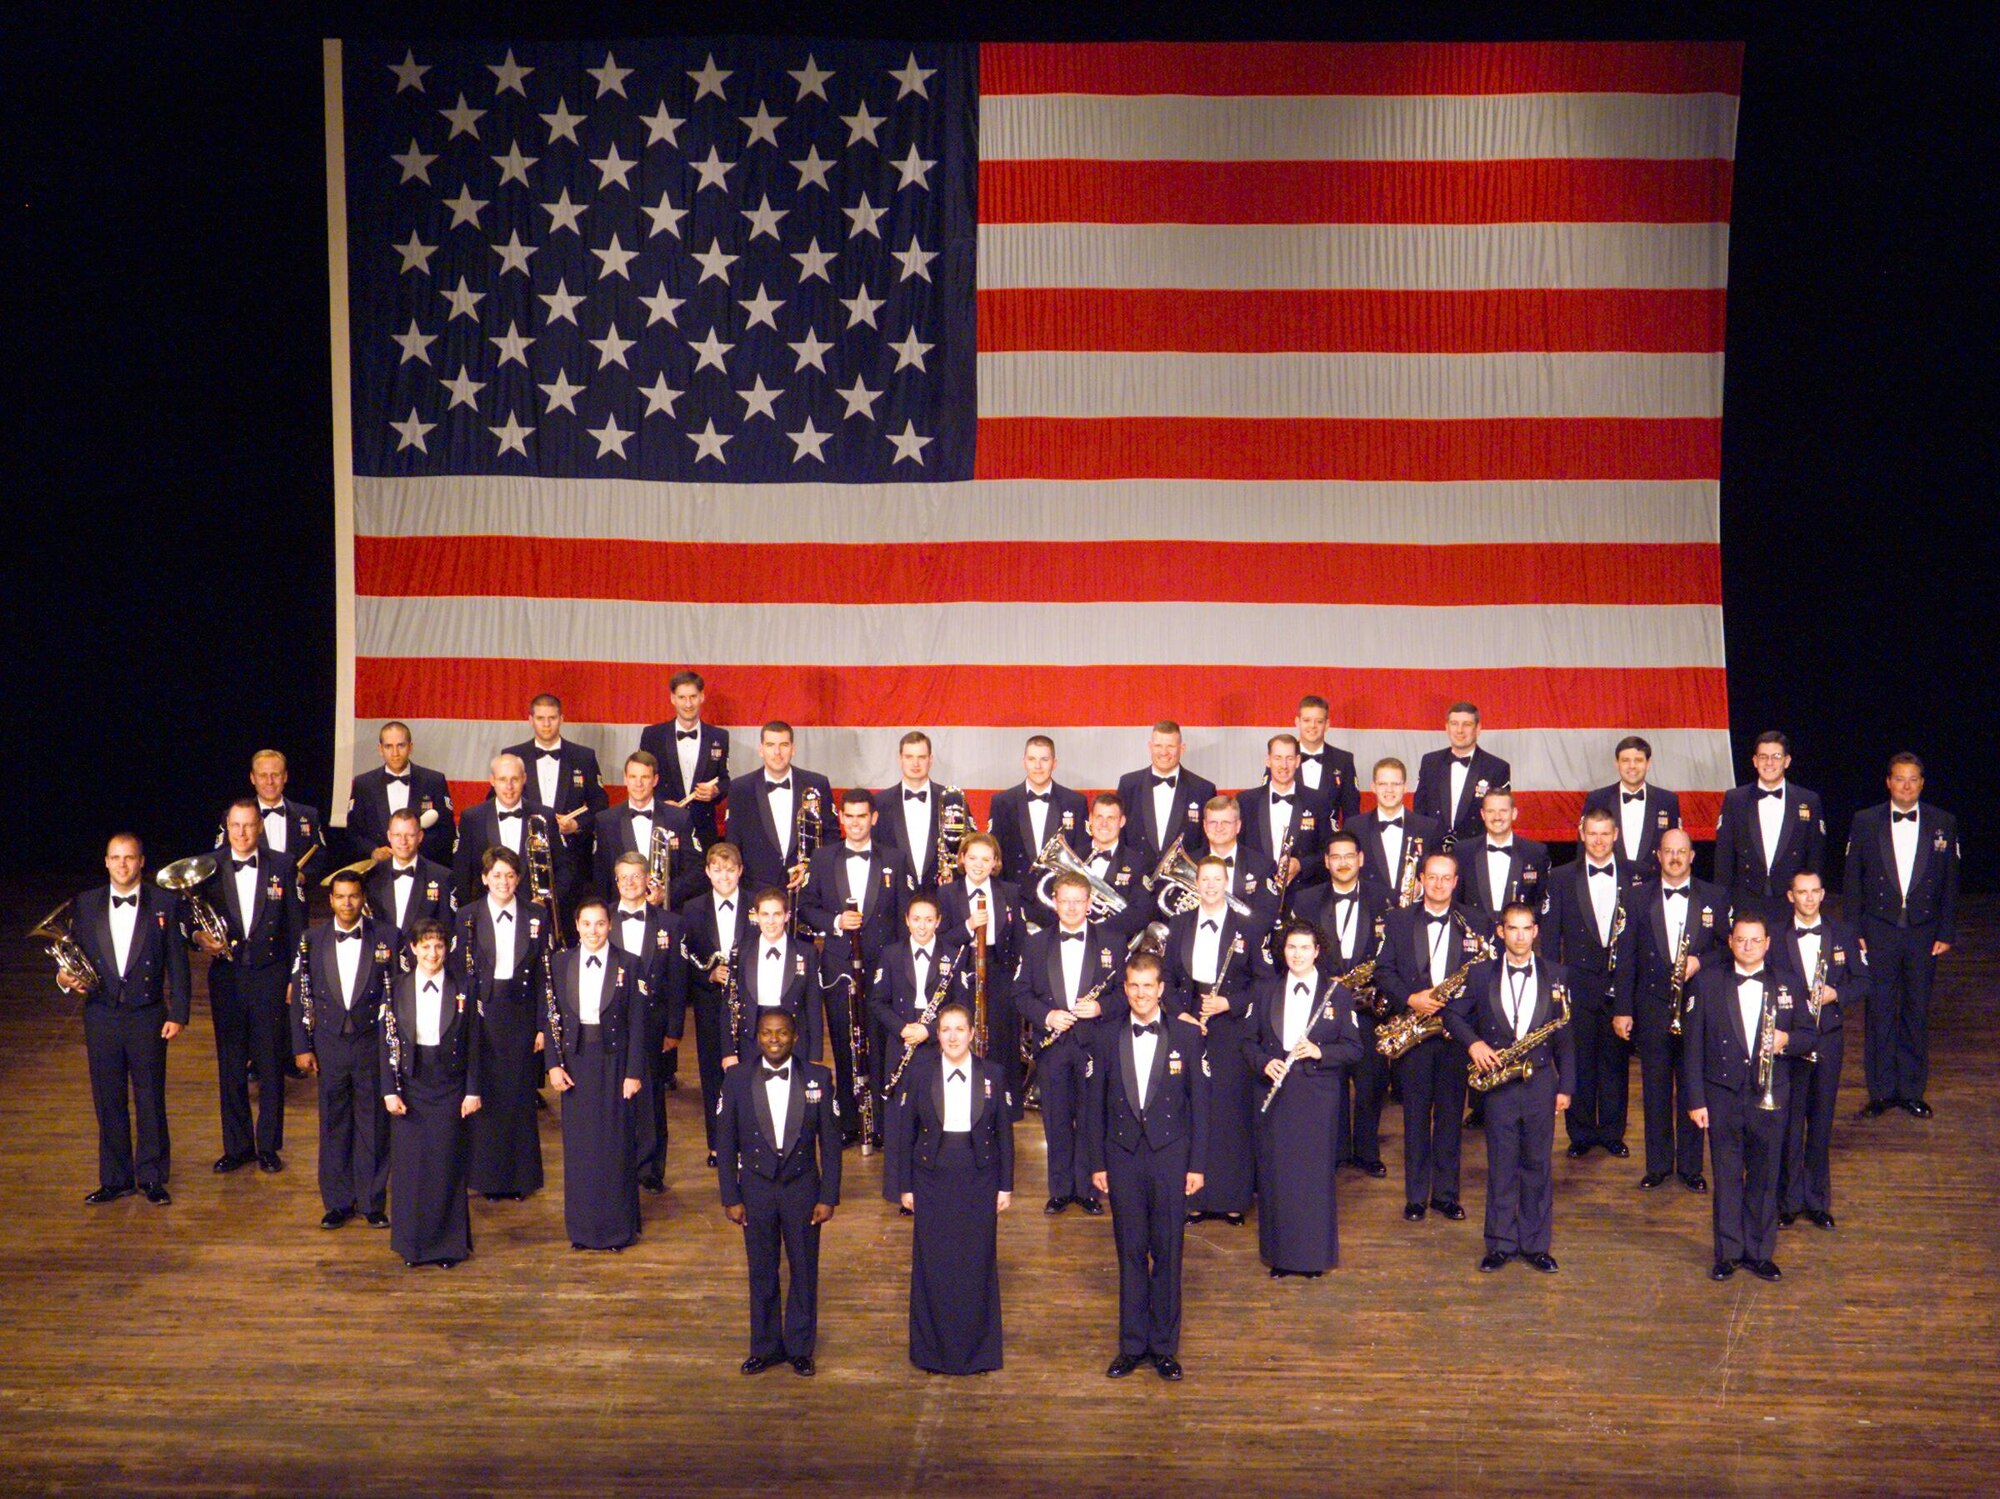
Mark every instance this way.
x=185 y=877
x=542 y=874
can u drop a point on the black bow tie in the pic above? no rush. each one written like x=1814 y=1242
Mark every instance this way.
x=1285 y=797
x=1039 y=796
x=504 y=815
x=1631 y=796
x=1895 y=816
x=503 y=915
x=239 y=865
x=397 y=780
x=1465 y=760
x=638 y=915
x=1338 y=897
x=1208 y=925
x=687 y=733
x=353 y=936
x=772 y=1074
x=125 y=900
x=593 y=961
x=1150 y=1028
x=404 y=874
x=914 y=796
x=1750 y=978
x=921 y=954
x=1673 y=892
x=1306 y=754
x=277 y=811
x=1437 y=920
x=1603 y=869
x=645 y=811
x=957 y=1076
x=1391 y=822
x=1777 y=795
x=1073 y=936
x=1167 y=780
x=773 y=953
x=725 y=907
x=1808 y=931
x=1302 y=987
x=431 y=987
x=548 y=754
x=784 y=785
x=1525 y=968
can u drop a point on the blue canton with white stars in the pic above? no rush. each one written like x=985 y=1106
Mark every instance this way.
x=730 y=261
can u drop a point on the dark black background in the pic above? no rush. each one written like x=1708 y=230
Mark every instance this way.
x=167 y=413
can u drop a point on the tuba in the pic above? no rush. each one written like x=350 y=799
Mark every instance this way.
x=953 y=827
x=1512 y=1062
x=185 y=877
x=72 y=962
x=1176 y=872
x=540 y=851
x=1057 y=858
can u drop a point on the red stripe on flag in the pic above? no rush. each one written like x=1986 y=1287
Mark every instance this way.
x=1637 y=321
x=1032 y=572
x=1040 y=696
x=1340 y=448
x=1554 y=191
x=1214 y=68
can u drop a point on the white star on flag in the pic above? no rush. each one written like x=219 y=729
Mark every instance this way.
x=812 y=169
x=913 y=169
x=614 y=169
x=611 y=348
x=660 y=307
x=412 y=432
x=610 y=437
x=464 y=301
x=759 y=400
x=860 y=400
x=808 y=441
x=714 y=172
x=514 y=255
x=510 y=75
x=708 y=443
x=563 y=214
x=861 y=125
x=763 y=125
x=709 y=351
x=908 y=444
x=812 y=78
x=660 y=396
x=666 y=218
x=861 y=218
x=764 y=218
x=513 y=344
x=708 y=79
x=910 y=351
x=616 y=257
x=562 y=395
x=410 y=73
x=513 y=436
x=861 y=308
x=714 y=263
x=562 y=302
x=762 y=309
x=416 y=254
x=810 y=350
x=916 y=260
x=465 y=208
x=463 y=389
x=464 y=119
x=910 y=79
x=661 y=126
x=416 y=166
x=610 y=80
x=562 y=124
x=514 y=166
x=415 y=344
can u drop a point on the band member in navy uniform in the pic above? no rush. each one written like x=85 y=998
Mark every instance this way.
x=766 y=808
x=1283 y=814
x=1025 y=817
x=926 y=968
x=1064 y=990
x=1452 y=782
x=911 y=813
x=777 y=1143
x=1767 y=832
x=852 y=901
x=1145 y=1136
x=498 y=950
x=955 y=1173
x=713 y=928
x=980 y=905
x=1902 y=889
x=1213 y=966
x=651 y=937
x=284 y=825
x=1302 y=1039
x=1326 y=768
x=1640 y=810
x=1503 y=1001
x=131 y=934
x=1115 y=863
x=563 y=782
x=693 y=756
x=1498 y=867
x=406 y=887
x=394 y=785
x=256 y=891
x=596 y=1054
x=501 y=821
x=430 y=1067
x=1395 y=838
x=628 y=829
x=1661 y=914
x=1251 y=873
x=1164 y=801
x=1422 y=945
x=1816 y=946
x=775 y=970
x=342 y=982
x=1588 y=913
x=1349 y=914
x=1745 y=1140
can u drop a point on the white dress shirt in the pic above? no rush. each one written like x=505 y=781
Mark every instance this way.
x=1903 y=841
x=1346 y=916
x=1677 y=914
x=1298 y=1010
x=778 y=1093
x=1520 y=992
x=510 y=827
x=781 y=810
x=957 y=1095
x=1771 y=820
x=504 y=936
x=1281 y=816
x=246 y=889
x=688 y=752
x=430 y=1009
x=921 y=959
x=1143 y=1048
x=548 y=773
x=1071 y=955
x=277 y=826
x=1311 y=767
x=1442 y=937
x=1163 y=806
x=972 y=894
x=396 y=793
x=642 y=828
x=1207 y=959
x=917 y=820
x=1392 y=851
x=347 y=961
x=124 y=922
x=632 y=928
x=1750 y=1003
x=402 y=889
x=1631 y=821
x=1499 y=867
x=725 y=917
x=1038 y=815
x=590 y=988
x=1459 y=772
x=1809 y=946
x=857 y=871
x=770 y=985
x=1603 y=894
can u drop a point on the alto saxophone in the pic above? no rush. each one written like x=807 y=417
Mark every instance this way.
x=1677 y=981
x=1512 y=1062
x=1360 y=982
x=805 y=843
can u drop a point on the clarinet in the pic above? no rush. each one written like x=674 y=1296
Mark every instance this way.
x=926 y=1020
x=305 y=983
x=394 y=1038
x=1049 y=1038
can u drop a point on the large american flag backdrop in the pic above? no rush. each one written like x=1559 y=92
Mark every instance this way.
x=1003 y=388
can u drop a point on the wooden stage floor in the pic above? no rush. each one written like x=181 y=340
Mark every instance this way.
x=225 y=1344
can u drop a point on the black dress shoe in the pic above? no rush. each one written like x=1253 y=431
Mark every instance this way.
x=1544 y=1262
x=1449 y=1210
x=229 y=1163
x=803 y=1364
x=903 y=1212
x=756 y=1365
x=1414 y=1211
x=1373 y=1168
x=1090 y=1205
x=1875 y=1108
x=1916 y=1108
x=1763 y=1269
x=1493 y=1260
x=654 y=1184
x=446 y=1264
x=711 y=1160
x=334 y=1217
x=1578 y=1150
x=1721 y=1270
x=673 y=1085
x=1651 y=1180
x=1234 y=1220
x=1277 y=1274
x=1786 y=1220
x=1196 y=1215
x=1055 y=1205
x=108 y=1194
x=1167 y=1366
x=270 y=1161
x=1818 y=1218
x=377 y=1220
x=1618 y=1148
x=1695 y=1183
x=159 y=1197
x=1122 y=1365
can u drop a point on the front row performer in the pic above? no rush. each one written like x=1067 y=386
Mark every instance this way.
x=955 y=1173
x=1519 y=1002
x=499 y=953
x=430 y=1065
x=1829 y=955
x=1746 y=1017
x=777 y=1147
x=596 y=1029
x=130 y=933
x=1145 y=1118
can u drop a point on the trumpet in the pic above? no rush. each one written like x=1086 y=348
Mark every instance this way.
x=1409 y=884
x=1511 y=1062
x=953 y=828
x=1177 y=872
x=185 y=877
x=1057 y=858
x=540 y=860
x=72 y=962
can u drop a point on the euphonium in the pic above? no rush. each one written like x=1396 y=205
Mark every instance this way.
x=1176 y=872
x=1512 y=1062
x=186 y=877
x=72 y=962
x=542 y=873
x=953 y=829
x=1057 y=858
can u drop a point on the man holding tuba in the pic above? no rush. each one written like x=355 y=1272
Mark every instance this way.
x=130 y=933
